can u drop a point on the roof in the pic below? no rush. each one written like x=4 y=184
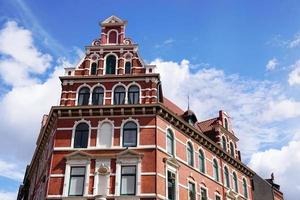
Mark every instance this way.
x=206 y=125
x=113 y=21
x=172 y=106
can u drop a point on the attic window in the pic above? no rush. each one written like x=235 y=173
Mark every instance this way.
x=94 y=69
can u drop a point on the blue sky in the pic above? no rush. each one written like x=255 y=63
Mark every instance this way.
x=243 y=57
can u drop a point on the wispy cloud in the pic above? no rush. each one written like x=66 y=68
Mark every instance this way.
x=165 y=43
x=295 y=42
x=32 y=22
x=294 y=75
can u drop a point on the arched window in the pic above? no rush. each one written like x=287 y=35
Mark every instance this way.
x=224 y=144
x=81 y=135
x=245 y=188
x=119 y=95
x=201 y=161
x=130 y=134
x=84 y=96
x=112 y=37
x=97 y=96
x=133 y=94
x=216 y=170
x=105 y=135
x=235 y=182
x=127 y=67
x=111 y=64
x=226 y=123
x=170 y=142
x=190 y=154
x=231 y=149
x=94 y=68
x=226 y=177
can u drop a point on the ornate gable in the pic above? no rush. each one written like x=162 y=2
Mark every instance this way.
x=78 y=155
x=113 y=21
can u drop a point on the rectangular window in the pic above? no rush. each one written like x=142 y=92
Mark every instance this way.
x=171 y=186
x=76 y=185
x=192 y=191
x=203 y=194
x=128 y=180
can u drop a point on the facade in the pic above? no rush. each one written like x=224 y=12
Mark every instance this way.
x=115 y=136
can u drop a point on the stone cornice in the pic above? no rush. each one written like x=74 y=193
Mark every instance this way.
x=123 y=110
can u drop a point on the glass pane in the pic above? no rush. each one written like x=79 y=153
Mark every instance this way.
x=76 y=186
x=128 y=170
x=192 y=193
x=129 y=137
x=170 y=145
x=127 y=68
x=77 y=170
x=171 y=186
x=128 y=185
x=203 y=194
x=130 y=125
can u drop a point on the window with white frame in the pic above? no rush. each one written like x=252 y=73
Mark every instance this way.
x=190 y=154
x=130 y=134
x=226 y=177
x=170 y=142
x=84 y=96
x=245 y=188
x=128 y=180
x=201 y=161
x=119 y=95
x=203 y=193
x=81 y=135
x=235 y=182
x=133 y=94
x=231 y=149
x=192 y=191
x=128 y=67
x=111 y=63
x=171 y=185
x=77 y=179
x=224 y=144
x=93 y=68
x=216 y=170
x=98 y=96
x=105 y=135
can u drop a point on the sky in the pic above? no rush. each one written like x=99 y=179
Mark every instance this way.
x=239 y=56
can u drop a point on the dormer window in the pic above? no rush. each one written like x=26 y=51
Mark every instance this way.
x=111 y=64
x=112 y=37
x=127 y=67
x=94 y=68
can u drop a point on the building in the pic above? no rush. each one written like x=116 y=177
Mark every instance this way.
x=115 y=136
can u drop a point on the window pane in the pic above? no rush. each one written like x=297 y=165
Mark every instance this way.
x=84 y=96
x=171 y=186
x=133 y=95
x=203 y=194
x=129 y=137
x=97 y=97
x=127 y=68
x=192 y=192
x=128 y=170
x=128 y=185
x=94 y=69
x=77 y=171
x=81 y=136
x=190 y=155
x=111 y=64
x=119 y=95
x=76 y=186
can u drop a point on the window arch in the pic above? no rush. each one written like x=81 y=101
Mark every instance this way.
x=130 y=134
x=231 y=149
x=245 y=188
x=98 y=96
x=93 y=68
x=235 y=182
x=226 y=177
x=224 y=144
x=105 y=134
x=201 y=161
x=190 y=154
x=81 y=135
x=119 y=95
x=170 y=142
x=133 y=94
x=128 y=67
x=216 y=170
x=84 y=96
x=111 y=63
x=226 y=123
x=112 y=37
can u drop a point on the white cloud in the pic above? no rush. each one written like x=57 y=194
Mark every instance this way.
x=20 y=58
x=281 y=110
x=245 y=100
x=271 y=65
x=10 y=170
x=295 y=42
x=294 y=75
x=284 y=163
x=4 y=195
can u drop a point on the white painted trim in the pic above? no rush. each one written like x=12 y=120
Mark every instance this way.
x=107 y=37
x=74 y=129
x=92 y=90
x=77 y=93
x=124 y=121
x=117 y=63
x=100 y=123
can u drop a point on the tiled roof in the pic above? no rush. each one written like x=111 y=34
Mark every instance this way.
x=173 y=107
x=206 y=125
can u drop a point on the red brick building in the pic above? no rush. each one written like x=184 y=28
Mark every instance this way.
x=114 y=136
